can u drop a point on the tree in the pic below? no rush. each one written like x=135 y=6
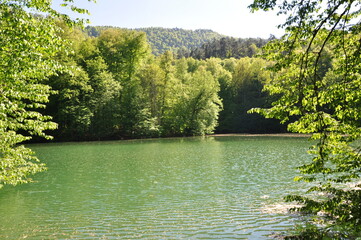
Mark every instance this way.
x=86 y=96
x=28 y=46
x=103 y=100
x=71 y=107
x=124 y=51
x=193 y=104
x=319 y=84
x=152 y=82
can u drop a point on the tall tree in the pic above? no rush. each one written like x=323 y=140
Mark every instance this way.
x=86 y=96
x=28 y=46
x=194 y=103
x=124 y=51
x=152 y=81
x=71 y=106
x=318 y=65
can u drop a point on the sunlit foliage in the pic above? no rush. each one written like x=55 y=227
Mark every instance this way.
x=28 y=46
x=318 y=65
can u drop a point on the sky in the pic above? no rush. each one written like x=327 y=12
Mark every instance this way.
x=228 y=17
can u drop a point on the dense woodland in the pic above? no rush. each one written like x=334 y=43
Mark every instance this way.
x=62 y=82
x=119 y=89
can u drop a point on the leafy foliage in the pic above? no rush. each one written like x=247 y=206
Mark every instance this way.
x=195 y=109
x=318 y=65
x=120 y=90
x=136 y=94
x=28 y=47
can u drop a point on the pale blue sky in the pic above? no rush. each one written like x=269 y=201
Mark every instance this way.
x=228 y=17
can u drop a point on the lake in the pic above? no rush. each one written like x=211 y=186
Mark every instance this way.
x=228 y=187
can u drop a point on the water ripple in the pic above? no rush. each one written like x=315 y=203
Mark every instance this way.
x=198 y=188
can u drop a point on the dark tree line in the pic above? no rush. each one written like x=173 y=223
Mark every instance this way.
x=226 y=47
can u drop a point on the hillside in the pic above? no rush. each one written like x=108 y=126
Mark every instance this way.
x=175 y=39
x=172 y=39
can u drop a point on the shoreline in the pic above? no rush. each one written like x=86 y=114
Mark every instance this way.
x=290 y=135
x=259 y=135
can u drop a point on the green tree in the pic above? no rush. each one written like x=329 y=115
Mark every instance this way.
x=28 y=46
x=194 y=106
x=226 y=47
x=151 y=77
x=161 y=88
x=318 y=81
x=124 y=51
x=182 y=95
x=167 y=65
x=71 y=106
x=103 y=100
x=87 y=96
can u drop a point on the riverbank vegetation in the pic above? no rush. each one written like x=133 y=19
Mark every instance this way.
x=119 y=89
x=317 y=78
x=105 y=83
x=29 y=50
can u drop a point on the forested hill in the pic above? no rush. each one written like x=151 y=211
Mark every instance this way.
x=169 y=39
x=174 y=39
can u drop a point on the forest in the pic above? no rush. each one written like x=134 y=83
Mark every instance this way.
x=119 y=89
x=63 y=82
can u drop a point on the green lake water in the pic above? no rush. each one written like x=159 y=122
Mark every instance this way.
x=182 y=188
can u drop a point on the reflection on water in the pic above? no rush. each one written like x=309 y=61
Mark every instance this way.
x=192 y=188
x=283 y=208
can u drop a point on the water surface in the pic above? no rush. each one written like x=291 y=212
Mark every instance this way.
x=183 y=188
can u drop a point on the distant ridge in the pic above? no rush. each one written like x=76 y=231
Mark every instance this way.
x=177 y=39
x=168 y=39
